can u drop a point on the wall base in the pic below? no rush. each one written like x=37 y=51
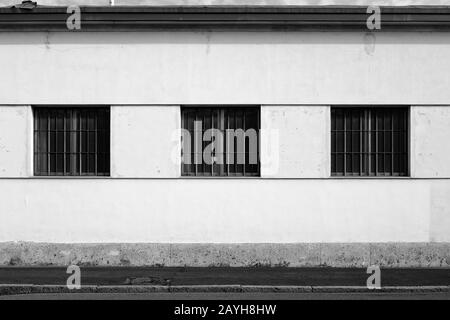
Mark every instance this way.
x=233 y=255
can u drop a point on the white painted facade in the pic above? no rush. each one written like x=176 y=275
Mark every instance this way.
x=269 y=68
x=294 y=76
x=230 y=2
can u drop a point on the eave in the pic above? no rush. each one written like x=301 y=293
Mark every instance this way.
x=223 y=18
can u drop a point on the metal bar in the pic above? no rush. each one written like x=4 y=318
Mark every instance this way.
x=182 y=138
x=258 y=149
x=243 y=124
x=64 y=151
x=96 y=139
x=203 y=142
x=48 y=142
x=69 y=147
x=186 y=126
x=383 y=112
x=352 y=150
x=37 y=145
x=213 y=143
x=361 y=118
x=79 y=137
x=368 y=140
x=406 y=142
x=382 y=172
x=376 y=143
x=195 y=142
x=234 y=145
x=224 y=142
x=227 y=142
x=334 y=118
x=55 y=132
x=183 y=126
x=73 y=144
x=345 y=141
x=352 y=169
x=392 y=142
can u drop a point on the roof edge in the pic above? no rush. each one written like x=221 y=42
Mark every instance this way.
x=271 y=18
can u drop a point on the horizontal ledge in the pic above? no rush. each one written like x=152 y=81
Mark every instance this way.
x=290 y=18
x=9 y=289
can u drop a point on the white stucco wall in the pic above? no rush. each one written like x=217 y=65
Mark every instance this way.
x=221 y=210
x=140 y=204
x=296 y=143
x=15 y=141
x=294 y=76
x=430 y=134
x=143 y=141
x=271 y=68
x=440 y=211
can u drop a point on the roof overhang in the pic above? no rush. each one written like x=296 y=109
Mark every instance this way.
x=245 y=18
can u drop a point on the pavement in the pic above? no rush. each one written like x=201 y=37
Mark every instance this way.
x=265 y=282
x=231 y=296
x=268 y=276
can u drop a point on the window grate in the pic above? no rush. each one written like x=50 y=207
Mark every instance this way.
x=71 y=141
x=369 y=141
x=233 y=143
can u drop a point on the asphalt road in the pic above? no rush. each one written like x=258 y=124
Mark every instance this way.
x=227 y=276
x=232 y=296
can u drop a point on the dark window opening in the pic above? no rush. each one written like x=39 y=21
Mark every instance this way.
x=369 y=141
x=71 y=141
x=231 y=148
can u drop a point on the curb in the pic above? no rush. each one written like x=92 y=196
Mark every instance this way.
x=11 y=289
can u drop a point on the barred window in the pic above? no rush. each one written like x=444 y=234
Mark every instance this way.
x=220 y=141
x=369 y=141
x=71 y=141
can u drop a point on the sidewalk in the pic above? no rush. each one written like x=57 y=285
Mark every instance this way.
x=217 y=279
x=225 y=276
